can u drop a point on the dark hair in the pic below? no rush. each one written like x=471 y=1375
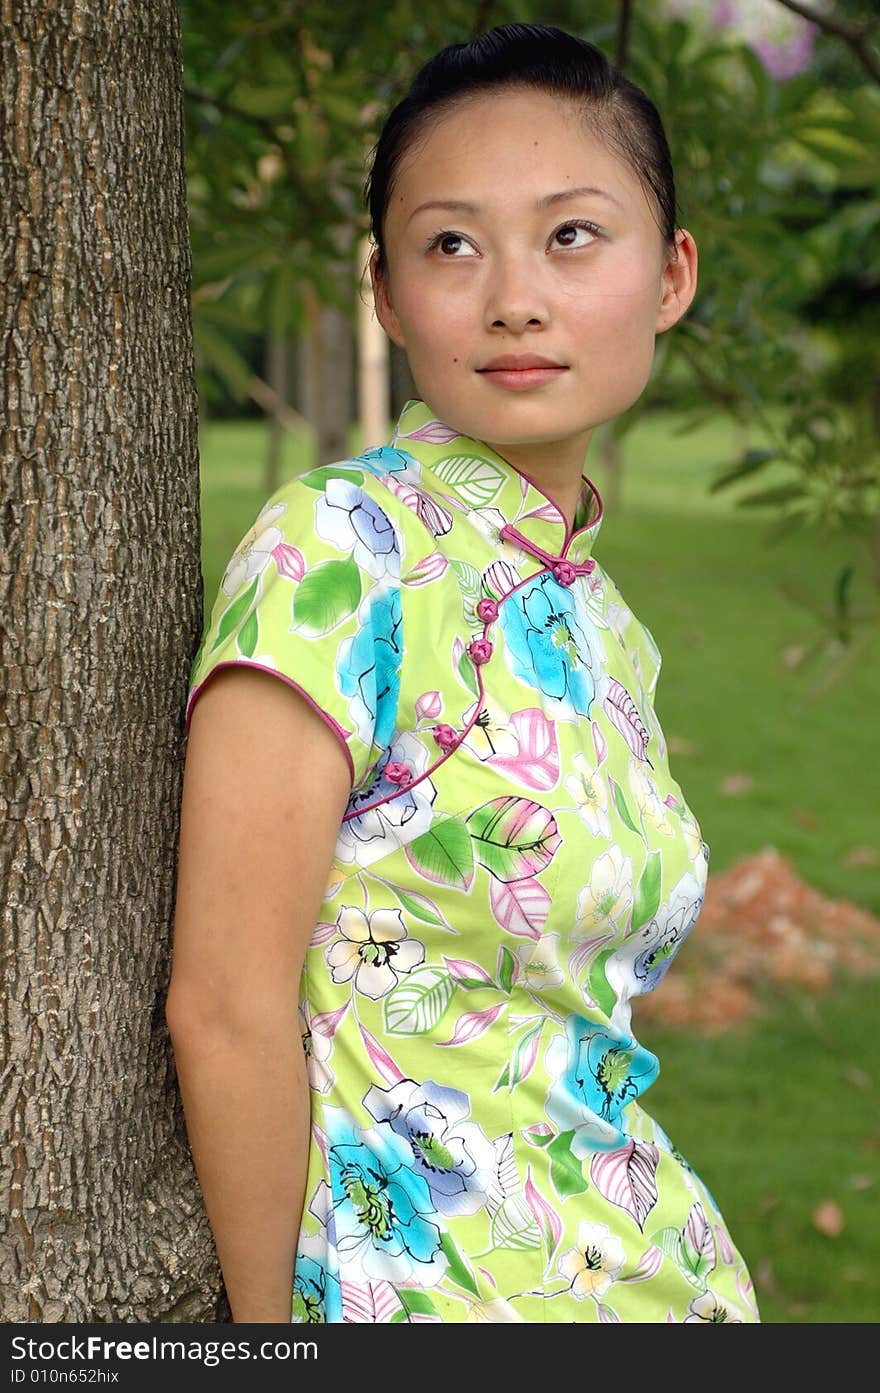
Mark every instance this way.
x=539 y=57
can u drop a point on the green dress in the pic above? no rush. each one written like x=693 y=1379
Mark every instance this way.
x=516 y=863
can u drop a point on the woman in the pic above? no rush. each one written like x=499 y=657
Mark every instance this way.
x=449 y=832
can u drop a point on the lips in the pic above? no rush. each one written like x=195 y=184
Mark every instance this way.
x=519 y=362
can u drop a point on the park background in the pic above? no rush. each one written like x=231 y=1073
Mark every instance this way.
x=762 y=594
x=742 y=525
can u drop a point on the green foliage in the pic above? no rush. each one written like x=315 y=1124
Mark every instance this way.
x=777 y=181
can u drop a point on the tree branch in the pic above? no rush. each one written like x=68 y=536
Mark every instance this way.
x=855 y=34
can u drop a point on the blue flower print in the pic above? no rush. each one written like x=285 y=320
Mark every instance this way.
x=642 y=961
x=548 y=647
x=381 y=1210
x=384 y=459
x=311 y=1297
x=455 y=1157
x=597 y=1072
x=346 y=516
x=368 y=667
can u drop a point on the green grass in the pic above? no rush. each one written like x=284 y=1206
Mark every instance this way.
x=783 y=1114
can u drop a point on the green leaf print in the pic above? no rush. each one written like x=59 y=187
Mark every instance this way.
x=514 y=1225
x=647 y=897
x=566 y=1171
x=458 y=1269
x=469 y=584
x=477 y=481
x=506 y=967
x=421 y=908
x=248 y=635
x=524 y=1053
x=233 y=614
x=503 y=1079
x=318 y=478
x=515 y=837
x=598 y=988
x=413 y=1303
x=326 y=595
x=620 y=801
x=418 y=1002
x=444 y=853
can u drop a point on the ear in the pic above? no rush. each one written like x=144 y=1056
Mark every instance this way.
x=678 y=283
x=382 y=302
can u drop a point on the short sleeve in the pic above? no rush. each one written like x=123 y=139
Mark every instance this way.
x=635 y=638
x=311 y=594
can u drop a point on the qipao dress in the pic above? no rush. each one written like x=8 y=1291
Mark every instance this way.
x=515 y=865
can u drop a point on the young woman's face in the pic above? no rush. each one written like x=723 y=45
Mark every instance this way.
x=515 y=274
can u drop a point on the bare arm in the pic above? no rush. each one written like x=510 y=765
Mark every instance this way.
x=265 y=786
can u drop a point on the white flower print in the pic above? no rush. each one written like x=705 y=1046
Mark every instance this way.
x=374 y=951
x=595 y=1263
x=607 y=899
x=539 y=963
x=711 y=1309
x=648 y=800
x=589 y=790
x=254 y=551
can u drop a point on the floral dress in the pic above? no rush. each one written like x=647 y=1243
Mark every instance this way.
x=515 y=864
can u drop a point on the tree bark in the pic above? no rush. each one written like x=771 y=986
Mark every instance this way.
x=101 y=1217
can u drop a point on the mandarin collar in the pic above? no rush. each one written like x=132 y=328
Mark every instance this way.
x=493 y=491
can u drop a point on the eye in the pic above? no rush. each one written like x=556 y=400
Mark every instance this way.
x=578 y=223
x=440 y=237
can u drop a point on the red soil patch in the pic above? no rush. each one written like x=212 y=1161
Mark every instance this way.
x=760 y=923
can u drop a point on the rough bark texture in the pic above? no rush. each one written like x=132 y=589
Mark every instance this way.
x=100 y=615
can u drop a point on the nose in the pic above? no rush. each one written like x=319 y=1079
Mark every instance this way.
x=514 y=298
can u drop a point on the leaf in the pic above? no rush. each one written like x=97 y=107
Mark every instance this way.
x=458 y=1269
x=472 y=1024
x=622 y=809
x=698 y=1244
x=503 y=1078
x=649 y=1264
x=468 y=974
x=566 y=1171
x=514 y=837
x=520 y=906
x=536 y=762
x=477 y=481
x=507 y=968
x=525 y=1054
x=420 y=907
x=415 y=1306
x=430 y=568
x=369 y=1303
x=233 y=614
x=624 y=716
x=380 y=1058
x=627 y=1178
x=647 y=897
x=319 y=478
x=468 y=580
x=546 y=1217
x=248 y=635
x=444 y=854
x=751 y=462
x=782 y=493
x=513 y=1225
x=607 y=1314
x=599 y=989
x=326 y=595
x=418 y=1002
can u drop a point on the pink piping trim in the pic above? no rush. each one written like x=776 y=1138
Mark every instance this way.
x=569 y=536
x=481 y=692
x=273 y=672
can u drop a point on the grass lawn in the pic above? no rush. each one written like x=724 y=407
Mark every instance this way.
x=770 y=1117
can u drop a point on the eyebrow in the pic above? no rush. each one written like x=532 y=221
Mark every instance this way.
x=460 y=205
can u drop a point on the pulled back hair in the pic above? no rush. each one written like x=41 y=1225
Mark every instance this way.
x=534 y=57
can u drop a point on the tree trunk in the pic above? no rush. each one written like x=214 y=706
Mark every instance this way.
x=101 y=1217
